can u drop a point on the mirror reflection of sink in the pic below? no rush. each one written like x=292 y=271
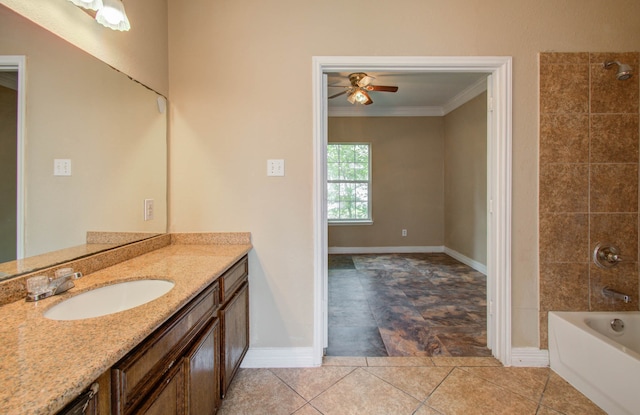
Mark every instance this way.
x=109 y=299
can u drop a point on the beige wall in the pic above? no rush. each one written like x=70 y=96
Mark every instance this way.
x=240 y=75
x=8 y=131
x=407 y=179
x=141 y=53
x=465 y=179
x=588 y=181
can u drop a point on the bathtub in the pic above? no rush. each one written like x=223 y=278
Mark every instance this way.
x=600 y=363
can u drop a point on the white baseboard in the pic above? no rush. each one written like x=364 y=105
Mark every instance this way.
x=384 y=249
x=270 y=357
x=529 y=357
x=466 y=260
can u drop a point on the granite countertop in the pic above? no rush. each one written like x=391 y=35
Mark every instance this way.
x=45 y=364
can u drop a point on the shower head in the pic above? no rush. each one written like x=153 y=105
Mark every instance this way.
x=624 y=70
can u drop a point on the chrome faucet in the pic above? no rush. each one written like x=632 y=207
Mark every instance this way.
x=617 y=295
x=40 y=287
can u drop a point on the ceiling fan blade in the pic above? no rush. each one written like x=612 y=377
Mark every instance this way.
x=338 y=94
x=382 y=88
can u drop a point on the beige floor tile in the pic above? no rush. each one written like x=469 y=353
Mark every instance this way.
x=526 y=381
x=258 y=392
x=307 y=410
x=563 y=397
x=360 y=392
x=543 y=410
x=418 y=382
x=344 y=361
x=425 y=410
x=399 y=361
x=465 y=394
x=465 y=361
x=311 y=382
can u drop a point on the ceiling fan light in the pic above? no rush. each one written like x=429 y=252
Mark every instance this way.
x=113 y=16
x=88 y=4
x=360 y=96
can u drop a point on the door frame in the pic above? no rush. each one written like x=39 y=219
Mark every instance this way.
x=499 y=177
x=18 y=63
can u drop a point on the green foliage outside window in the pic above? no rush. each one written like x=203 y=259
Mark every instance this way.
x=348 y=181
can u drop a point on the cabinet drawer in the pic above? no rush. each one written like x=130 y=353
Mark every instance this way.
x=233 y=279
x=137 y=372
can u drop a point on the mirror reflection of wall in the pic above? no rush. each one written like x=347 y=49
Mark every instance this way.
x=109 y=126
x=8 y=166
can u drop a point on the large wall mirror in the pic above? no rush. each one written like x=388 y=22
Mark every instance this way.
x=111 y=128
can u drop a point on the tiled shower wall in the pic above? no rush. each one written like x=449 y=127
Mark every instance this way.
x=588 y=181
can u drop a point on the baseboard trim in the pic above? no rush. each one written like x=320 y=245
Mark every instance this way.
x=270 y=357
x=466 y=260
x=529 y=357
x=384 y=249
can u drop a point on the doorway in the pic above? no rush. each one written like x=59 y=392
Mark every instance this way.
x=498 y=187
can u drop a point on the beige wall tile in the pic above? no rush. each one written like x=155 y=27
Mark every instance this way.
x=564 y=88
x=544 y=329
x=564 y=138
x=564 y=287
x=564 y=187
x=564 y=58
x=564 y=237
x=614 y=188
x=614 y=138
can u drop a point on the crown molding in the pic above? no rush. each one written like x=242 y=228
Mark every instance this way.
x=465 y=96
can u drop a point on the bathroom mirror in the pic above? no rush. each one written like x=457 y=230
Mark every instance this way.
x=105 y=132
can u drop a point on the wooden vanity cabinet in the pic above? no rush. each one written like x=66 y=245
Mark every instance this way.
x=186 y=366
x=158 y=375
x=234 y=321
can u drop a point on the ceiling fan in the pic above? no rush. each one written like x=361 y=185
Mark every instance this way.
x=359 y=88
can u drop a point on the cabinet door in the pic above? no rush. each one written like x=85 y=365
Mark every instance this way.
x=235 y=334
x=168 y=397
x=202 y=373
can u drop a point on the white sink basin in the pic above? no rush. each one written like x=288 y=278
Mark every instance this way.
x=109 y=299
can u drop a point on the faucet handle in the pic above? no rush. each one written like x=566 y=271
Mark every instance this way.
x=63 y=272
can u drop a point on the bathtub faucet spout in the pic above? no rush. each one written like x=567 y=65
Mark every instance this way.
x=611 y=293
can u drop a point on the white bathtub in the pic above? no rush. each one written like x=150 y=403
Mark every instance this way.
x=600 y=363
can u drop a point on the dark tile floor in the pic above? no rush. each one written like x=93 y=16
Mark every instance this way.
x=405 y=305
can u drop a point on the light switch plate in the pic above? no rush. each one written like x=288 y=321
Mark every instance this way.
x=61 y=167
x=148 y=209
x=275 y=167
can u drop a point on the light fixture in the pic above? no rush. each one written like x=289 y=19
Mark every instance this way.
x=88 y=4
x=359 y=96
x=113 y=16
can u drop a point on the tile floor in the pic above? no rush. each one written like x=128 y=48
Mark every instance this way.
x=405 y=305
x=404 y=385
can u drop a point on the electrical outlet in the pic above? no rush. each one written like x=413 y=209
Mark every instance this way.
x=61 y=167
x=404 y=232
x=275 y=167
x=148 y=209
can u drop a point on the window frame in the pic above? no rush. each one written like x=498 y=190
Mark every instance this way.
x=352 y=221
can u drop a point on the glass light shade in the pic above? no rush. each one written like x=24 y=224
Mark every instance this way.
x=88 y=4
x=360 y=97
x=113 y=16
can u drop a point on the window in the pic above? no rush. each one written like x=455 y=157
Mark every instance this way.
x=349 y=182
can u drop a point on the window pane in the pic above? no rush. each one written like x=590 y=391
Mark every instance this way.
x=347 y=153
x=333 y=153
x=361 y=153
x=348 y=170
x=333 y=171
